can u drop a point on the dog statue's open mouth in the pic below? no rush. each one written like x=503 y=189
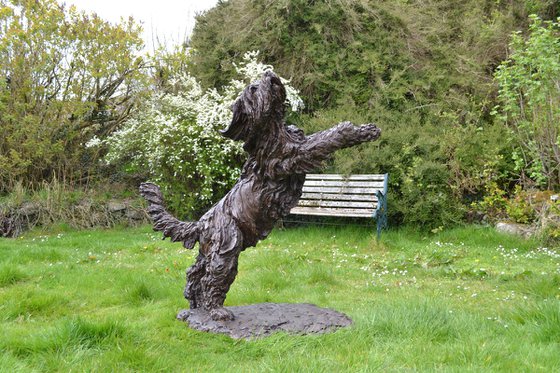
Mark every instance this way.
x=234 y=132
x=274 y=80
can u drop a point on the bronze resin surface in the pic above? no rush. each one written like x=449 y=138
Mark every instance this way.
x=270 y=184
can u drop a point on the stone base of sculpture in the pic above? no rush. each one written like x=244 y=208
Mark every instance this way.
x=259 y=320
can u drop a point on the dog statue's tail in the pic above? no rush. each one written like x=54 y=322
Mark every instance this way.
x=176 y=230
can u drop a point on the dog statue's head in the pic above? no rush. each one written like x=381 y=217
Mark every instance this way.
x=259 y=108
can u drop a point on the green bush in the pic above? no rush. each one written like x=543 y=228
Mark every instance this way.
x=422 y=70
x=434 y=172
x=493 y=204
x=519 y=208
x=530 y=101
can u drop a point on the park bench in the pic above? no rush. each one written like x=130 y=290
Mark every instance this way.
x=346 y=196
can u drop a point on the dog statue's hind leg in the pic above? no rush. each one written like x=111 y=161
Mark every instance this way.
x=221 y=272
x=210 y=278
x=193 y=289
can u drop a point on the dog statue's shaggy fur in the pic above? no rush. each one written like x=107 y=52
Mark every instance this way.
x=271 y=184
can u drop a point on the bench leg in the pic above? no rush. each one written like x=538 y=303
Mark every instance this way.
x=381 y=215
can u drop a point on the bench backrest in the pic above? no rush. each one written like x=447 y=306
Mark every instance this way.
x=339 y=195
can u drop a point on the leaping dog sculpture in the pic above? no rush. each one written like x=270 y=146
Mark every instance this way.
x=271 y=182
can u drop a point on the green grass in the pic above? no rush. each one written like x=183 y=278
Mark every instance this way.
x=462 y=300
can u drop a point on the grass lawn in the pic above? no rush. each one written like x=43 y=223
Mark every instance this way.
x=461 y=300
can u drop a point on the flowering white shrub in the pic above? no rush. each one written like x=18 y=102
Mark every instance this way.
x=176 y=139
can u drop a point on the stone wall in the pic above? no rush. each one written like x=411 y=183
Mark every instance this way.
x=84 y=214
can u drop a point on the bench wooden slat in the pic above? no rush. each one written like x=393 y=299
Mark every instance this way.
x=362 y=196
x=339 y=190
x=366 y=177
x=339 y=197
x=339 y=204
x=323 y=211
x=343 y=183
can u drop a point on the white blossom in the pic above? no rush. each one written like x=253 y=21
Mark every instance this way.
x=93 y=142
x=179 y=132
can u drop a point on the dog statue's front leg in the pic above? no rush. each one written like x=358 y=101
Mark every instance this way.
x=319 y=146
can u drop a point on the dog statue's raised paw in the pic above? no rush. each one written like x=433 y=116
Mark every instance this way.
x=371 y=131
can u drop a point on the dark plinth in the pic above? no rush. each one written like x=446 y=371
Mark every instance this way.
x=259 y=320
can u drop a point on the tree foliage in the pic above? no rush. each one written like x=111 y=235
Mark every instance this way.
x=362 y=50
x=529 y=91
x=424 y=70
x=65 y=76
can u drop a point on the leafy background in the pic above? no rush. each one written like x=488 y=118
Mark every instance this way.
x=456 y=86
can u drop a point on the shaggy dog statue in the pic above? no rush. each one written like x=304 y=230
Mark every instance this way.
x=270 y=184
